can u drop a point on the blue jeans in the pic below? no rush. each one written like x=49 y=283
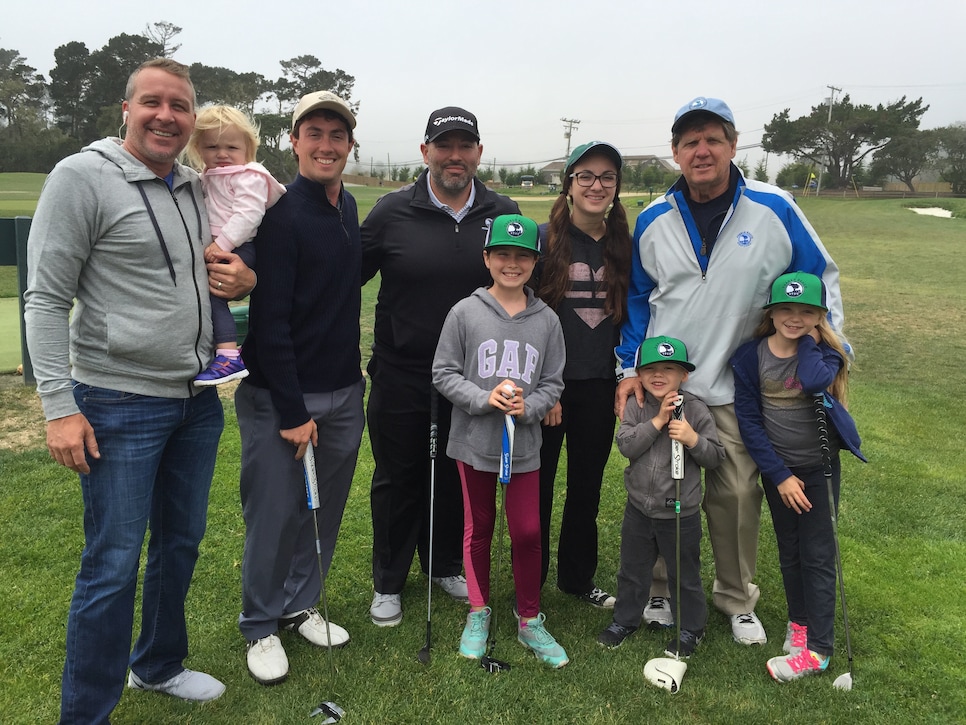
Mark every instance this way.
x=156 y=464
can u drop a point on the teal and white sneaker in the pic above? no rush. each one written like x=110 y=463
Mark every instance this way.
x=473 y=640
x=538 y=640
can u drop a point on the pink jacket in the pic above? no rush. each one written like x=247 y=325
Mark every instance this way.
x=237 y=197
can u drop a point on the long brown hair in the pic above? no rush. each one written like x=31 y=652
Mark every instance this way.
x=555 y=275
x=839 y=389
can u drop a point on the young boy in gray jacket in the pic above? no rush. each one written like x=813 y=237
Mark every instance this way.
x=648 y=529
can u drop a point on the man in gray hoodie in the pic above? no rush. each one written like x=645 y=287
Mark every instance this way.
x=118 y=237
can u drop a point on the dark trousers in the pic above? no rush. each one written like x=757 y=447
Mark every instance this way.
x=806 y=554
x=588 y=424
x=642 y=539
x=398 y=417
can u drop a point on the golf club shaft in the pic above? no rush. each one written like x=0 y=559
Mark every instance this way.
x=312 y=500
x=677 y=473
x=827 y=464
x=424 y=655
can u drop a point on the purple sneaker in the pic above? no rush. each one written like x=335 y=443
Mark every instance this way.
x=221 y=370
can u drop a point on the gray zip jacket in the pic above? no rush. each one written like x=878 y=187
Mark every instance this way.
x=648 y=476
x=111 y=241
x=479 y=346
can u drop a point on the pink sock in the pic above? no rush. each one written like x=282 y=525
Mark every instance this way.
x=230 y=353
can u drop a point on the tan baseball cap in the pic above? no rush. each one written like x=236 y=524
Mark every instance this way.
x=322 y=100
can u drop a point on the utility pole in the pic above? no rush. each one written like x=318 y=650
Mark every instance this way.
x=571 y=124
x=828 y=123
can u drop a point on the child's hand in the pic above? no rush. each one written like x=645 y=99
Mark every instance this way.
x=681 y=430
x=792 y=491
x=663 y=416
x=210 y=257
x=507 y=398
x=815 y=334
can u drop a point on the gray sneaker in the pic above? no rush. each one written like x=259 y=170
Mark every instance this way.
x=455 y=586
x=187 y=685
x=657 y=613
x=746 y=629
x=386 y=610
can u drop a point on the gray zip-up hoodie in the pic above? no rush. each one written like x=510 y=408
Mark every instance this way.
x=647 y=478
x=481 y=345
x=141 y=318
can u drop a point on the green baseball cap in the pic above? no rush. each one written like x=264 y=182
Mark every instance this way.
x=513 y=230
x=598 y=147
x=662 y=349
x=800 y=287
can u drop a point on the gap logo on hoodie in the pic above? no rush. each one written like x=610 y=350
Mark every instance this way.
x=506 y=360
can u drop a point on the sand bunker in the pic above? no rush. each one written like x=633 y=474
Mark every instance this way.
x=933 y=211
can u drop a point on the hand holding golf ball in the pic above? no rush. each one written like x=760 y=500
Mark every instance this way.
x=507 y=398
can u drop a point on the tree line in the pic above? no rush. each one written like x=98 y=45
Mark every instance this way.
x=861 y=144
x=42 y=121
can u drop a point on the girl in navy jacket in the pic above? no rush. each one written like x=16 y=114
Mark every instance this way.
x=794 y=357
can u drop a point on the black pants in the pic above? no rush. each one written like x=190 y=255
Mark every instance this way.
x=588 y=424
x=806 y=554
x=398 y=418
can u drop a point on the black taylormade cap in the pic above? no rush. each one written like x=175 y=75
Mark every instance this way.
x=451 y=118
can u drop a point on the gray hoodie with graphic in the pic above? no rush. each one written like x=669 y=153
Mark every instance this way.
x=111 y=241
x=481 y=345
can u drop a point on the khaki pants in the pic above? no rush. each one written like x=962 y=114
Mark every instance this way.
x=732 y=505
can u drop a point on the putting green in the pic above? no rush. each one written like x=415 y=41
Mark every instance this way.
x=9 y=334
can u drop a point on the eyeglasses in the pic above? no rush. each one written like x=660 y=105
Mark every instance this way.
x=587 y=178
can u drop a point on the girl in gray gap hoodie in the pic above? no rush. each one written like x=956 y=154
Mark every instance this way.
x=501 y=351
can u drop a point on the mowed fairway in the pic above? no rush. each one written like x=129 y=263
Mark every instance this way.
x=902 y=528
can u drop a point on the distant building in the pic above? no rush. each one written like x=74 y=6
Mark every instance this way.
x=552 y=172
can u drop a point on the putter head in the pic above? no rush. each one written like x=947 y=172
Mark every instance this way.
x=332 y=712
x=665 y=672
x=493 y=665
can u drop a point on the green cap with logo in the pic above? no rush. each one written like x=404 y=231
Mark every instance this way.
x=800 y=287
x=662 y=349
x=597 y=147
x=513 y=230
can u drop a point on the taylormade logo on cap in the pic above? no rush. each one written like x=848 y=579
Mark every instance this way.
x=448 y=119
x=451 y=118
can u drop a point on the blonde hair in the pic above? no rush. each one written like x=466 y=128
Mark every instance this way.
x=219 y=118
x=839 y=389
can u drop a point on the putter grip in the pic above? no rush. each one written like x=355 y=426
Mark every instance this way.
x=677 y=450
x=433 y=417
x=311 y=478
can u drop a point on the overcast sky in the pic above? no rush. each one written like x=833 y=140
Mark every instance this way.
x=622 y=68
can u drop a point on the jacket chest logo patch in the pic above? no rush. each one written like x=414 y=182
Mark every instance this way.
x=744 y=239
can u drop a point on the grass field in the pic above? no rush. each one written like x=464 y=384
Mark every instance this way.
x=902 y=528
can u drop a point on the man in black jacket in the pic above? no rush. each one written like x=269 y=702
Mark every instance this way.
x=426 y=241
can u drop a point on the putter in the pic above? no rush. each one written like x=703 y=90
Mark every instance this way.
x=312 y=499
x=668 y=672
x=844 y=681
x=488 y=662
x=332 y=712
x=424 y=655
